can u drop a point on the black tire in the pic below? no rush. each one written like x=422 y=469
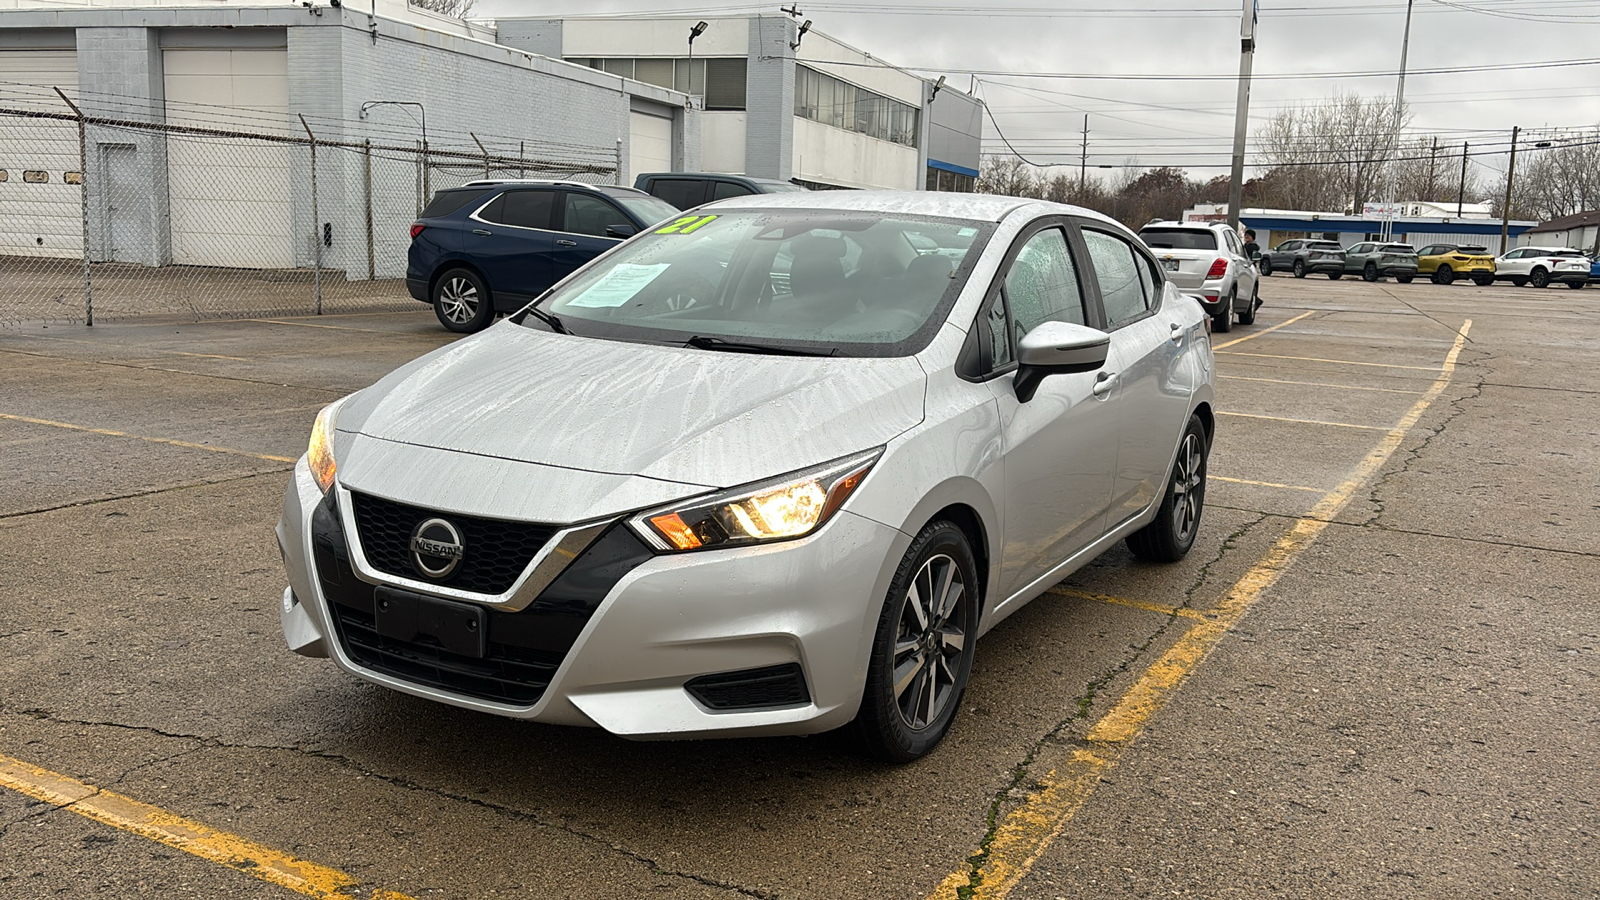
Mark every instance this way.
x=1403 y=279
x=462 y=301
x=1222 y=322
x=907 y=631
x=1171 y=534
x=1539 y=278
x=1370 y=273
x=1519 y=281
x=1266 y=267
x=1483 y=280
x=1299 y=268
x=1247 y=316
x=1444 y=275
x=1577 y=285
x=1335 y=276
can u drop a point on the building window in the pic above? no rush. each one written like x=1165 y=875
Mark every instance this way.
x=719 y=81
x=823 y=98
x=950 y=182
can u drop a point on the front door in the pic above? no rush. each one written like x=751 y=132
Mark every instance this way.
x=511 y=241
x=585 y=220
x=1060 y=447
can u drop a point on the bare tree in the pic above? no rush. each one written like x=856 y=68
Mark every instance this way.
x=457 y=9
x=1335 y=155
x=1561 y=180
x=1007 y=176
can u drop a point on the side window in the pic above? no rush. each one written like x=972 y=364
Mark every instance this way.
x=1149 y=279
x=997 y=344
x=722 y=190
x=1516 y=254
x=1042 y=285
x=491 y=213
x=680 y=192
x=590 y=215
x=1233 y=242
x=1117 y=268
x=527 y=209
x=1290 y=245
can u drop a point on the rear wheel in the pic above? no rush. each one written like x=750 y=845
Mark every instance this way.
x=1335 y=276
x=922 y=651
x=1519 y=281
x=1169 y=537
x=1370 y=273
x=1223 y=321
x=462 y=301
x=1403 y=279
x=1576 y=285
x=1444 y=275
x=1247 y=316
x=1299 y=268
x=1483 y=280
x=1539 y=278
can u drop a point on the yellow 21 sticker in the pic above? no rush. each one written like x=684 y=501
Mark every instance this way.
x=687 y=225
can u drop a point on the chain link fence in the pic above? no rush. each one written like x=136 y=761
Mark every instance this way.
x=106 y=215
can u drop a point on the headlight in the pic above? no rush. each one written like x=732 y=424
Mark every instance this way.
x=320 y=454
x=784 y=508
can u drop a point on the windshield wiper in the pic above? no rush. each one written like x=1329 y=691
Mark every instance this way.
x=550 y=319
x=706 y=342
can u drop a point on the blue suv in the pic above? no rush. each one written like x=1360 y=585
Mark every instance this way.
x=491 y=247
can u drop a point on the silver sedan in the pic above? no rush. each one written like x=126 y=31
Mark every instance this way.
x=771 y=468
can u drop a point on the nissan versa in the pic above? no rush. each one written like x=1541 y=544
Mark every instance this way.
x=770 y=468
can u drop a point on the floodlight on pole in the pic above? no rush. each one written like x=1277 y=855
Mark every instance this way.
x=800 y=35
x=695 y=31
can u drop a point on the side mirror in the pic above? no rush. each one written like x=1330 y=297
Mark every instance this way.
x=1058 y=348
x=623 y=230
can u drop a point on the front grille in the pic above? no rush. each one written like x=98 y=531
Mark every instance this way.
x=765 y=688
x=506 y=674
x=497 y=551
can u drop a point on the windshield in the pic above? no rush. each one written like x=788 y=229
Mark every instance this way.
x=651 y=210
x=850 y=283
x=1178 y=239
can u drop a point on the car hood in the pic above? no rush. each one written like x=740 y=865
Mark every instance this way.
x=693 y=417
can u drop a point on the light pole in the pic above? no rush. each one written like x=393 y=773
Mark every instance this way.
x=1241 y=113
x=426 y=193
x=694 y=31
x=1511 y=173
x=1399 y=110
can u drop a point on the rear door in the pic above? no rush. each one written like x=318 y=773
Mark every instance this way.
x=1145 y=364
x=584 y=219
x=1355 y=259
x=511 y=242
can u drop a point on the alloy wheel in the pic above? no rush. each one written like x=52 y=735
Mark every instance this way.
x=1186 y=485
x=929 y=641
x=458 y=300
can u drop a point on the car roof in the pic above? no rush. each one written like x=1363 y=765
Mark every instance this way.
x=981 y=207
x=1189 y=226
x=547 y=182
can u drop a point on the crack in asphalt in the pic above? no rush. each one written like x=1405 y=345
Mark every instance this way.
x=1082 y=705
x=105 y=362
x=75 y=504
x=205 y=742
x=1474 y=391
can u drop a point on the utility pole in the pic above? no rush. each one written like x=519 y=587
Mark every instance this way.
x=1399 y=111
x=1433 y=170
x=1511 y=173
x=1083 y=161
x=1241 y=111
x=1461 y=195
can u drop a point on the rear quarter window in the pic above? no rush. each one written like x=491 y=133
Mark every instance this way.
x=446 y=202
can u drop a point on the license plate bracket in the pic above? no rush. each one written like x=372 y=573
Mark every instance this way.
x=1170 y=264
x=459 y=628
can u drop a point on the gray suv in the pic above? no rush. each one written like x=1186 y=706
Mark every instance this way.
x=1373 y=260
x=1303 y=257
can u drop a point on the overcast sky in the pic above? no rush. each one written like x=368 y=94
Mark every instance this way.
x=1189 y=123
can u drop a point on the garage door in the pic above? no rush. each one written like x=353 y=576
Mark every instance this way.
x=649 y=145
x=40 y=214
x=230 y=197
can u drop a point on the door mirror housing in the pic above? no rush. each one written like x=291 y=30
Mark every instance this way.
x=1058 y=348
x=621 y=231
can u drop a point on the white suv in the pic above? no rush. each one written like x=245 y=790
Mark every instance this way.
x=1207 y=261
x=1539 y=266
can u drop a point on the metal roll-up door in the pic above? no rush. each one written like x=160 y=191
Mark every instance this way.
x=649 y=145
x=41 y=213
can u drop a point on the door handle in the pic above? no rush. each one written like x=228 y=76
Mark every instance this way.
x=1104 y=384
x=483 y=231
x=566 y=243
x=1177 y=333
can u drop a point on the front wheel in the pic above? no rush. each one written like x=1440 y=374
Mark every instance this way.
x=1577 y=285
x=1444 y=275
x=1335 y=276
x=1518 y=281
x=1403 y=279
x=1266 y=266
x=1169 y=537
x=922 y=651
x=1370 y=273
x=462 y=302
x=1483 y=280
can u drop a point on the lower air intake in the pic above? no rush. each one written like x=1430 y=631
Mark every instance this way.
x=771 y=687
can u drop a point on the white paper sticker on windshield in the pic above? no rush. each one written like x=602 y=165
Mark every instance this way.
x=967 y=232
x=618 y=286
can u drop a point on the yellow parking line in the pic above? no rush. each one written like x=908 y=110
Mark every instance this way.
x=1251 y=337
x=187 y=835
x=1182 y=611
x=154 y=440
x=51 y=337
x=1303 y=421
x=1027 y=832
x=1347 y=387
x=1342 y=362
x=1270 y=484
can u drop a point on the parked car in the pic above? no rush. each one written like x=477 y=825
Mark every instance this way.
x=1594 y=269
x=1303 y=257
x=490 y=247
x=1373 y=260
x=1207 y=261
x=1540 y=266
x=1443 y=262
x=686 y=190
x=722 y=482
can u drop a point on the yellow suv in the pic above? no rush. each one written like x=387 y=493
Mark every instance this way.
x=1445 y=261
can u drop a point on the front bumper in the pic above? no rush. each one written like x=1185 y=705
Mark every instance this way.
x=662 y=622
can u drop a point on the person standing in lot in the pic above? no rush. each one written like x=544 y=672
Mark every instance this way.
x=1251 y=248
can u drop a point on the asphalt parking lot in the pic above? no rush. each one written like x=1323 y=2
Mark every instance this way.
x=1376 y=675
